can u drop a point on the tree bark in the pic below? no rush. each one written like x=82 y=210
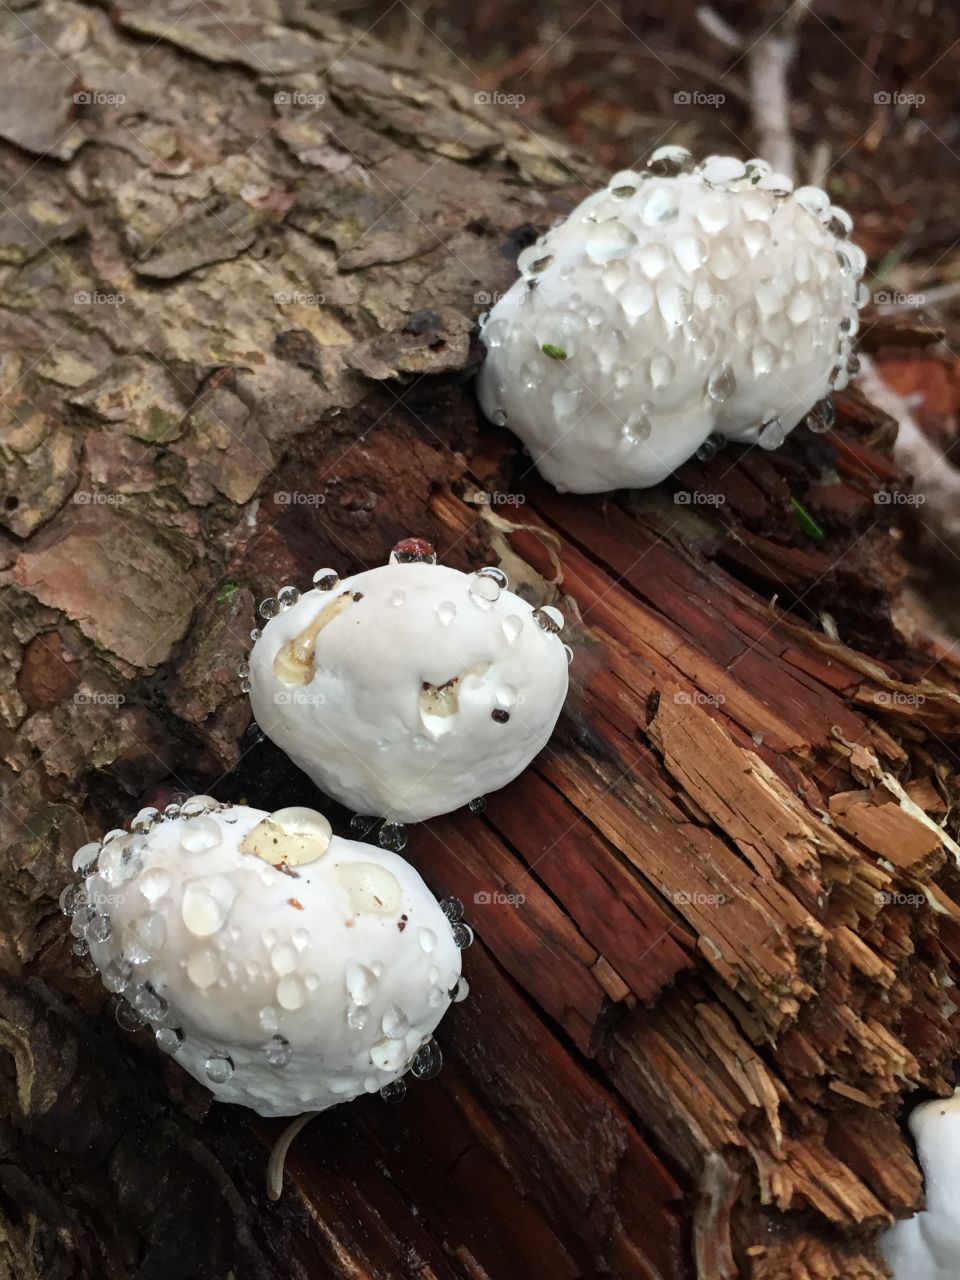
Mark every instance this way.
x=717 y=920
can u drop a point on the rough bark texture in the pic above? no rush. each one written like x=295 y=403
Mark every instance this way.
x=237 y=336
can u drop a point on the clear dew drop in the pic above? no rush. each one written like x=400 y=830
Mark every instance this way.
x=398 y=599
x=499 y=417
x=277 y=1051
x=549 y=619
x=362 y=984
x=269 y=1018
x=723 y=262
x=722 y=383
x=290 y=992
x=256 y=634
x=148 y=1004
x=283 y=959
x=660 y=371
x=667 y=162
x=659 y=205
x=462 y=935
x=203 y=968
x=395 y=1091
x=126 y=1016
x=394 y=1024
x=117 y=833
x=533 y=260
x=452 y=908
x=652 y=258
x=484 y=589
x=496 y=333
x=763 y=357
x=169 y=1039
x=358 y=1017
x=446 y=612
x=326 y=579
x=85 y=859
x=98 y=930
x=146 y=820
x=268 y=608
x=72 y=899
x=413 y=551
x=436 y=996
x=201 y=835
x=197 y=805
x=461 y=991
x=511 y=627
x=636 y=299
x=714 y=214
x=717 y=171
x=615 y=275
x=690 y=252
x=387 y=1054
x=361 y=824
x=772 y=434
x=287 y=597
x=822 y=416
x=116 y=974
x=392 y=836
x=427 y=940
x=813 y=199
x=609 y=240
x=427 y=1061
x=144 y=937
x=477 y=805
x=205 y=905
x=800 y=307
x=219 y=1069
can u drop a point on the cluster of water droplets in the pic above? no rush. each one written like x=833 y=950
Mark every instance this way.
x=616 y=335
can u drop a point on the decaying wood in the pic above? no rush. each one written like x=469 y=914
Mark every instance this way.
x=717 y=922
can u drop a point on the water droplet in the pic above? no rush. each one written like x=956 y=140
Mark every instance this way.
x=499 y=417
x=452 y=908
x=85 y=859
x=446 y=612
x=361 y=825
x=609 y=240
x=772 y=434
x=394 y=1023
x=813 y=199
x=371 y=888
x=496 y=332
x=484 y=589
x=290 y=992
x=413 y=551
x=287 y=596
x=198 y=805
x=256 y=634
x=358 y=1017
x=722 y=383
x=690 y=252
x=206 y=904
x=362 y=984
x=283 y=959
x=763 y=357
x=398 y=599
x=667 y=162
x=477 y=805
x=201 y=834
x=269 y=1018
x=145 y=820
x=427 y=1061
x=717 y=171
x=549 y=619
x=72 y=899
x=636 y=299
x=461 y=991
x=568 y=653
x=427 y=940
x=395 y=1091
x=98 y=930
x=278 y=1052
x=714 y=214
x=462 y=935
x=659 y=205
x=144 y=937
x=116 y=974
x=393 y=836
x=839 y=222
x=511 y=627
x=388 y=1054
x=776 y=183
x=822 y=416
x=724 y=263
x=800 y=307
x=652 y=258
x=268 y=608
x=660 y=371
x=219 y=1069
x=203 y=968
x=326 y=579
x=126 y=1016
x=148 y=1004
x=169 y=1039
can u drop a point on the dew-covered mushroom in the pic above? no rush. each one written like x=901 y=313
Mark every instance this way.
x=927 y=1246
x=407 y=690
x=285 y=968
x=679 y=307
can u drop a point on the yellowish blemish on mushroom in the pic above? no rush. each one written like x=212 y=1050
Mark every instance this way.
x=440 y=701
x=289 y=837
x=294 y=663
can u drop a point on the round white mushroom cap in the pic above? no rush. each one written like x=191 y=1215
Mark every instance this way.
x=410 y=689
x=927 y=1246
x=677 y=306
x=287 y=969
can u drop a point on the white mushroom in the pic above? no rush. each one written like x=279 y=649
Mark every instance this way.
x=407 y=690
x=286 y=969
x=927 y=1246
x=676 y=308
